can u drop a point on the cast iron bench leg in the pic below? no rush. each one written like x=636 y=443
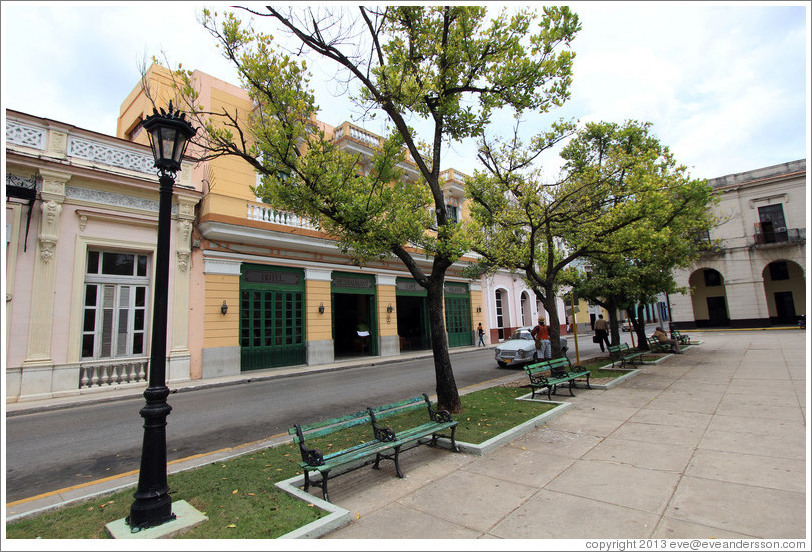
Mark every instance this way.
x=397 y=462
x=324 y=477
x=454 y=440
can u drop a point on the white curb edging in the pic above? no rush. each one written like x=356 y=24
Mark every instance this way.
x=337 y=518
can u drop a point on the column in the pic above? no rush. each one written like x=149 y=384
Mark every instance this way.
x=179 y=356
x=38 y=365
x=320 y=347
x=388 y=341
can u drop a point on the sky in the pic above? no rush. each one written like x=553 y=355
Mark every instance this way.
x=724 y=84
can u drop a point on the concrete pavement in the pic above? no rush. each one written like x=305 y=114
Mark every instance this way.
x=707 y=444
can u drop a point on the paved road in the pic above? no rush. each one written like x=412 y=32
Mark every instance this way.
x=46 y=451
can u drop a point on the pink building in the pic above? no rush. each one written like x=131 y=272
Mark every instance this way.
x=81 y=226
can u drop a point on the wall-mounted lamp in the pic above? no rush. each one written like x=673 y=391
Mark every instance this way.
x=321 y=308
x=479 y=309
x=224 y=308
x=389 y=309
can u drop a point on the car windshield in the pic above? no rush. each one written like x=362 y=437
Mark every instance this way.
x=521 y=334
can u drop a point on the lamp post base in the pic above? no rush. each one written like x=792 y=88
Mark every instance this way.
x=150 y=512
x=187 y=518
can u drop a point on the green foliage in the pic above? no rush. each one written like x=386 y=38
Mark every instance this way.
x=423 y=62
x=622 y=196
x=442 y=69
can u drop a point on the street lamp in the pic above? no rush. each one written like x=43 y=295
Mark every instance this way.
x=169 y=133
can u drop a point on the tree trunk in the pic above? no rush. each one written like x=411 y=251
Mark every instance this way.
x=448 y=398
x=614 y=325
x=552 y=321
x=634 y=318
x=640 y=327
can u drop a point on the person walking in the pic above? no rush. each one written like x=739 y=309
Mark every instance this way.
x=601 y=332
x=481 y=333
x=541 y=334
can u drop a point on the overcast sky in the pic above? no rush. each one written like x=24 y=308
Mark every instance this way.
x=724 y=84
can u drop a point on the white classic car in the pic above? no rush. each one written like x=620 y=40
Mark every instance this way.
x=520 y=348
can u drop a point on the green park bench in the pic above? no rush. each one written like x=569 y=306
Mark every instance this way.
x=658 y=346
x=625 y=355
x=560 y=372
x=385 y=443
x=682 y=339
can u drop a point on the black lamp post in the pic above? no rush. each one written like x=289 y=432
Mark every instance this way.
x=169 y=133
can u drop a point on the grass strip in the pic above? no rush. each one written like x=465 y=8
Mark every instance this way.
x=239 y=496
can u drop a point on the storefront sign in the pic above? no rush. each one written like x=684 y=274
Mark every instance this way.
x=271 y=277
x=350 y=282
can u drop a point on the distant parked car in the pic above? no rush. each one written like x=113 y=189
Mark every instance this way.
x=520 y=348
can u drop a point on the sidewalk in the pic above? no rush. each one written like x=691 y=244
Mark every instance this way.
x=709 y=444
x=699 y=446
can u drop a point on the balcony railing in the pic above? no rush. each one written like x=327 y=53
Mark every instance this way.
x=112 y=371
x=779 y=236
x=358 y=133
x=265 y=213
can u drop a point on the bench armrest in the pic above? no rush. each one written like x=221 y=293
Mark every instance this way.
x=383 y=434
x=437 y=415
x=312 y=457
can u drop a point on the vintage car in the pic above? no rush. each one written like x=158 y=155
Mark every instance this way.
x=520 y=348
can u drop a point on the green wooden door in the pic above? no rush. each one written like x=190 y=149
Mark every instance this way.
x=271 y=318
x=458 y=315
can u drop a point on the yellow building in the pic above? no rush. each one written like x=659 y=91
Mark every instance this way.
x=268 y=289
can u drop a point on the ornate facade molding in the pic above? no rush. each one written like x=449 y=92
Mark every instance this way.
x=111 y=199
x=184 y=244
x=25 y=135
x=99 y=152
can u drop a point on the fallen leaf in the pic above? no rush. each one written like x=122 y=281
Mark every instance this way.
x=251 y=494
x=232 y=526
x=234 y=492
x=358 y=515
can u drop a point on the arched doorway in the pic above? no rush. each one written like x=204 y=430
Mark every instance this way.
x=502 y=305
x=785 y=291
x=527 y=313
x=709 y=298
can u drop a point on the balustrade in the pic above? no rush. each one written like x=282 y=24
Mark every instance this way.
x=114 y=371
x=265 y=213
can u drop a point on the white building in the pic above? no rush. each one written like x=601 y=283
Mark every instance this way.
x=756 y=276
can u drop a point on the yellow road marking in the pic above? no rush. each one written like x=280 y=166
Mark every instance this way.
x=133 y=472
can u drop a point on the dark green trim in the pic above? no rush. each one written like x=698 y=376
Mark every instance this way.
x=352 y=282
x=408 y=287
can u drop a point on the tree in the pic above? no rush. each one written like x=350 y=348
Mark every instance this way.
x=619 y=192
x=444 y=68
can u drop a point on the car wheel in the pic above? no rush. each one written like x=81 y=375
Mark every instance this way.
x=501 y=364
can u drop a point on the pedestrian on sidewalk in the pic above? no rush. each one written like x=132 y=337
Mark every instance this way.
x=481 y=333
x=601 y=332
x=541 y=334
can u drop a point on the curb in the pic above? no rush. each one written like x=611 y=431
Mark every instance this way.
x=339 y=517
